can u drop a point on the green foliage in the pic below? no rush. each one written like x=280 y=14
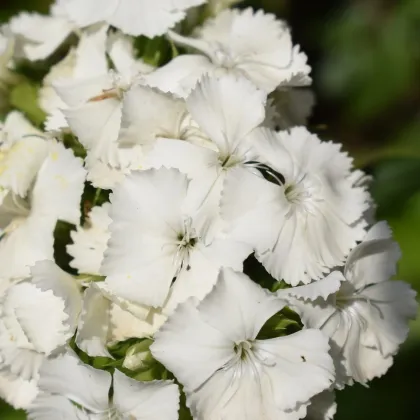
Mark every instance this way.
x=283 y=323
x=24 y=97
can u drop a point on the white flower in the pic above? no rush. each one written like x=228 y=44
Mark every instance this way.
x=133 y=17
x=90 y=241
x=227 y=372
x=73 y=390
x=157 y=255
x=37 y=317
x=22 y=152
x=106 y=318
x=253 y=45
x=309 y=218
x=363 y=312
x=41 y=35
x=219 y=110
x=28 y=223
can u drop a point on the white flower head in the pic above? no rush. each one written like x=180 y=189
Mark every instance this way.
x=310 y=216
x=227 y=372
x=251 y=44
x=364 y=312
x=157 y=255
x=133 y=17
x=73 y=390
x=37 y=317
x=226 y=121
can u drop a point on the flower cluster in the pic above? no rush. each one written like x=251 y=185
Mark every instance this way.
x=174 y=242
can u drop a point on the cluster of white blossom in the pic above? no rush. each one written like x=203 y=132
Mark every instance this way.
x=174 y=171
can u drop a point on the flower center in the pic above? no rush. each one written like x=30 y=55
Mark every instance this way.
x=223 y=58
x=190 y=131
x=243 y=350
x=303 y=194
x=229 y=161
x=186 y=241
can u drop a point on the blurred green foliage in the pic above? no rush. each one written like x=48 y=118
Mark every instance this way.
x=365 y=56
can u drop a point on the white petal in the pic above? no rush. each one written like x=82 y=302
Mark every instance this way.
x=180 y=75
x=194 y=161
x=75 y=93
x=317 y=289
x=22 y=152
x=103 y=175
x=90 y=241
x=40 y=44
x=141 y=17
x=197 y=281
x=371 y=364
x=46 y=275
x=16 y=391
x=97 y=124
x=123 y=55
x=141 y=312
x=142 y=269
x=32 y=240
x=69 y=377
x=59 y=185
x=153 y=400
x=389 y=306
x=36 y=321
x=190 y=348
x=375 y=259
x=53 y=407
x=130 y=16
x=91 y=60
x=250 y=208
x=301 y=358
x=147 y=114
x=224 y=396
x=242 y=319
x=125 y=325
x=94 y=323
x=88 y=60
x=85 y=13
x=218 y=107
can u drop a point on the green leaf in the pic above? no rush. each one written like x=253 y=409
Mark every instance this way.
x=281 y=324
x=24 y=97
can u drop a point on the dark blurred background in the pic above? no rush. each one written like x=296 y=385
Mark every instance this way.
x=365 y=56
